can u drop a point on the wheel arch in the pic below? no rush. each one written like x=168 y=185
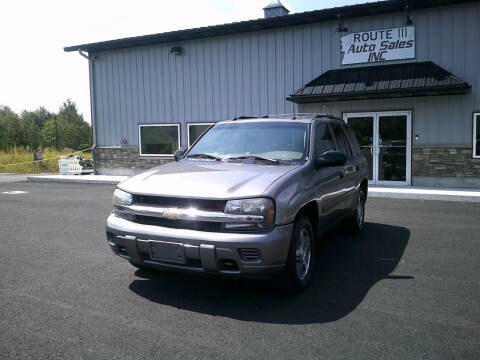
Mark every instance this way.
x=311 y=211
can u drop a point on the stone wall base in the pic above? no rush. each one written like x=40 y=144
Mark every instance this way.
x=124 y=161
x=445 y=166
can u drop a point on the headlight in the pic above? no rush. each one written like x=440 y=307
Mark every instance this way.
x=121 y=197
x=260 y=206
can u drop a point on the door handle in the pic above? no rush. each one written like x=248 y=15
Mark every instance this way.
x=350 y=169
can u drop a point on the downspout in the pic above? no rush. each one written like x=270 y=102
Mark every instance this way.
x=92 y=106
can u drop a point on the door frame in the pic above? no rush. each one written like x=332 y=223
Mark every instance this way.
x=376 y=148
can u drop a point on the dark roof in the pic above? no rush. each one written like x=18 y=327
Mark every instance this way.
x=377 y=8
x=381 y=81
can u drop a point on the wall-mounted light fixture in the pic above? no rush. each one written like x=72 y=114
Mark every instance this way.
x=340 y=28
x=177 y=50
x=407 y=21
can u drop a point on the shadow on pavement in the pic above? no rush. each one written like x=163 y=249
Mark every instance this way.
x=346 y=268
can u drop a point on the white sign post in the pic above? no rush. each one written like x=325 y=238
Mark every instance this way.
x=379 y=45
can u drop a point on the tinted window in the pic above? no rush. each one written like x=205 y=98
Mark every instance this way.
x=323 y=139
x=158 y=139
x=353 y=141
x=341 y=140
x=195 y=130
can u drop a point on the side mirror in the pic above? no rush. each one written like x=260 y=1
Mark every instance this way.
x=330 y=158
x=178 y=154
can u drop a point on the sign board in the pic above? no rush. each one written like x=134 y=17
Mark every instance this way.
x=378 y=45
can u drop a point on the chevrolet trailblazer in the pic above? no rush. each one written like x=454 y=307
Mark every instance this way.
x=248 y=198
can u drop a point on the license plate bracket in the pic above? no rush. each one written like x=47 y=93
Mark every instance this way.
x=167 y=252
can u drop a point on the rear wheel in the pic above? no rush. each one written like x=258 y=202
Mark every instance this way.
x=299 y=267
x=355 y=223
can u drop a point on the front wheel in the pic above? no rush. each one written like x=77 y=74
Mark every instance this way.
x=299 y=267
x=355 y=223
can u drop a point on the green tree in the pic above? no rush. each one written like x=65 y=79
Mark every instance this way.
x=39 y=116
x=9 y=130
x=75 y=131
x=49 y=134
x=40 y=128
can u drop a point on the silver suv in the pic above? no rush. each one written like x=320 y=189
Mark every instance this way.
x=249 y=198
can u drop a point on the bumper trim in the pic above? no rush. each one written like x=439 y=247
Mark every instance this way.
x=205 y=252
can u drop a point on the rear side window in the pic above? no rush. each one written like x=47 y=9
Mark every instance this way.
x=341 y=140
x=323 y=139
x=353 y=141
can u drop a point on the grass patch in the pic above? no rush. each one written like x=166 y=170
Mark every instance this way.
x=49 y=164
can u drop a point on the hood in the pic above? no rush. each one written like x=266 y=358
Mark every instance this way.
x=206 y=179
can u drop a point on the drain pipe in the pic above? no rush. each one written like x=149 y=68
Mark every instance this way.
x=92 y=105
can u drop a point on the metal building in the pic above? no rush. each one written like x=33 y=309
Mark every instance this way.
x=405 y=77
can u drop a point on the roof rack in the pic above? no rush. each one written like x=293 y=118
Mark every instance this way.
x=291 y=116
x=333 y=117
x=244 y=117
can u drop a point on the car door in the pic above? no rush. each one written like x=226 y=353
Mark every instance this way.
x=350 y=168
x=327 y=181
x=359 y=162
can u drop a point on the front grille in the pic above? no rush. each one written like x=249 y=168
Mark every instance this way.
x=249 y=254
x=164 y=201
x=178 y=224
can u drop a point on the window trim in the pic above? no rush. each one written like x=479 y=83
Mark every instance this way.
x=475 y=121
x=157 y=124
x=317 y=124
x=349 y=153
x=188 y=131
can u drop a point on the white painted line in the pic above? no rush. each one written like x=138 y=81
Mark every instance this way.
x=14 y=192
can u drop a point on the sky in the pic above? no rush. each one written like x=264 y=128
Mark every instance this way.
x=34 y=69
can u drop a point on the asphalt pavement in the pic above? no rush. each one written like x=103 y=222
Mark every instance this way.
x=407 y=288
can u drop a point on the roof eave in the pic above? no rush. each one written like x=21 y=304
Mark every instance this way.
x=380 y=7
x=385 y=94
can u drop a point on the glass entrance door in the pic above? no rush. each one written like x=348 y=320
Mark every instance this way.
x=385 y=141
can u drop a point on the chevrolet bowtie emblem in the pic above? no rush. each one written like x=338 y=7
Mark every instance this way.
x=171 y=214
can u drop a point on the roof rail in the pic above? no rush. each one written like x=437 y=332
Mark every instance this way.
x=244 y=117
x=333 y=117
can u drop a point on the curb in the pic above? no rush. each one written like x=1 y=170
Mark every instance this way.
x=74 y=180
x=466 y=197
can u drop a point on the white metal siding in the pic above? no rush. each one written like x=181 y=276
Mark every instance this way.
x=252 y=74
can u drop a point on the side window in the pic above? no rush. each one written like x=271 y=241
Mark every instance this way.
x=323 y=139
x=353 y=141
x=341 y=140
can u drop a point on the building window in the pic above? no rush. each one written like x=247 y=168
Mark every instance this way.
x=158 y=139
x=195 y=131
x=476 y=135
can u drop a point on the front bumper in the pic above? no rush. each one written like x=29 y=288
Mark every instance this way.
x=204 y=252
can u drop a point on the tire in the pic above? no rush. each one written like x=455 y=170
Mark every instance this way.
x=299 y=266
x=355 y=223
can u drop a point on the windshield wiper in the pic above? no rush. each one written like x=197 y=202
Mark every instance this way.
x=205 y=156
x=253 y=157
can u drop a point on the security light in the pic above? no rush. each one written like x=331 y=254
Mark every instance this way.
x=177 y=50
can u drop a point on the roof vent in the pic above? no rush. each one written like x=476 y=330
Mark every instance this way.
x=275 y=8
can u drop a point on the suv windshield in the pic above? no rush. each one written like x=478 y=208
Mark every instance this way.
x=283 y=141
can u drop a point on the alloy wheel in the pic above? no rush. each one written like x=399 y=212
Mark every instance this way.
x=303 y=252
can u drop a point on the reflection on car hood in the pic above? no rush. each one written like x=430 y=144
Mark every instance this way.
x=206 y=179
